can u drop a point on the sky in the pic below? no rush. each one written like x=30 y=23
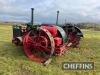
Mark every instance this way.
x=45 y=10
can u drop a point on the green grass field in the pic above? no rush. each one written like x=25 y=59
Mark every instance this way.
x=14 y=62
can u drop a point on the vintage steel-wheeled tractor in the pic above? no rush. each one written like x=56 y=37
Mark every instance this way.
x=41 y=42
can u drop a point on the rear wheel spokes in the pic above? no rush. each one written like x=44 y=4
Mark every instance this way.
x=37 y=41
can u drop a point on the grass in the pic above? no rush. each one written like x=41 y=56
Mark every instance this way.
x=14 y=62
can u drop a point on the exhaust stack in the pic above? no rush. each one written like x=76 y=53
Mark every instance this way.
x=32 y=16
x=57 y=17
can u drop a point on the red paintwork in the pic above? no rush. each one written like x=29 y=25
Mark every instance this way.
x=59 y=50
x=58 y=41
x=27 y=42
x=52 y=30
x=70 y=36
x=40 y=43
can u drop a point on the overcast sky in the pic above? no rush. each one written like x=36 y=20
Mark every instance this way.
x=45 y=10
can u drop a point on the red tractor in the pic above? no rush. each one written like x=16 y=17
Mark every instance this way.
x=41 y=42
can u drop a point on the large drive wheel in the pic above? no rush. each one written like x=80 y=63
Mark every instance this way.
x=38 y=43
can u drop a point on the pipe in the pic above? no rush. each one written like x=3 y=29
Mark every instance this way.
x=57 y=17
x=32 y=16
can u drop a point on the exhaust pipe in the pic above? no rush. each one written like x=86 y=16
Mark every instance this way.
x=57 y=17
x=32 y=16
